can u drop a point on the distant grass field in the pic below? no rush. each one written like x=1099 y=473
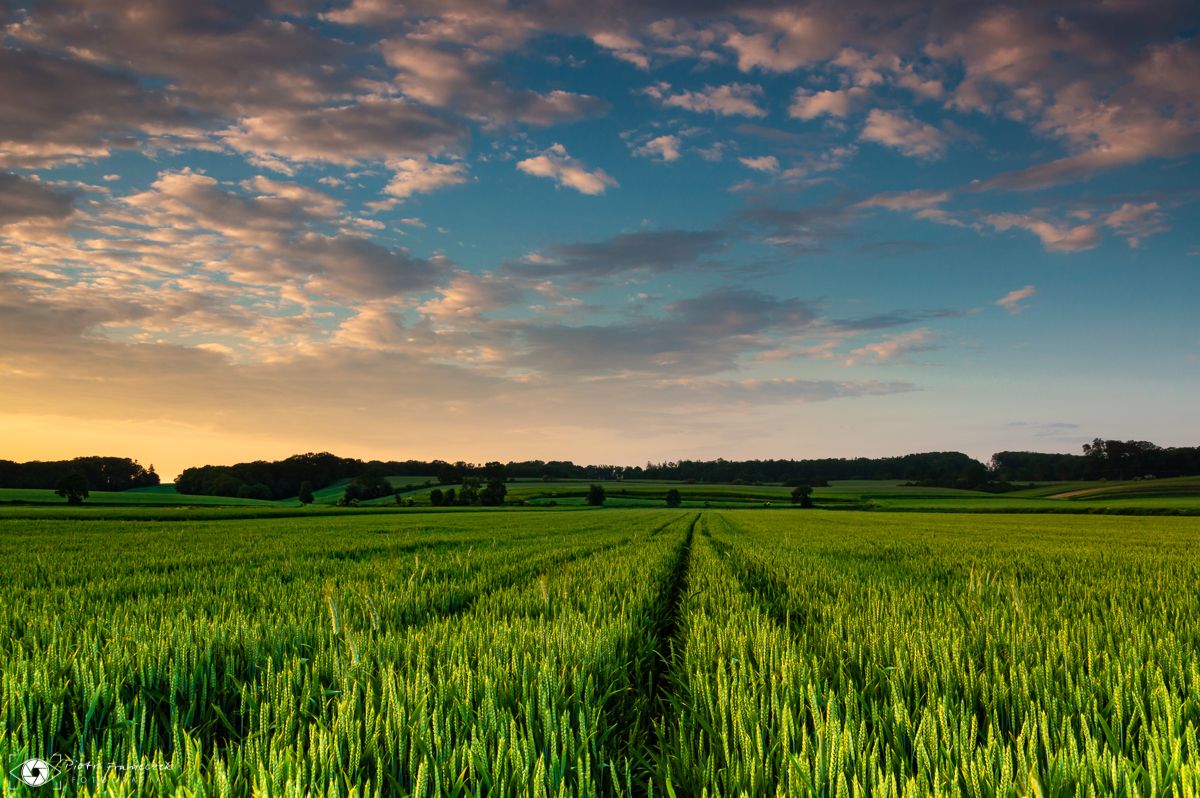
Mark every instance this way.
x=331 y=493
x=1159 y=496
x=610 y=652
x=158 y=495
x=1143 y=488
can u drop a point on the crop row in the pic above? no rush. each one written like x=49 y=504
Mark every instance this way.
x=899 y=661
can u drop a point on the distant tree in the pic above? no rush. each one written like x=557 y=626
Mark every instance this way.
x=227 y=485
x=305 y=495
x=351 y=496
x=469 y=493
x=974 y=475
x=256 y=491
x=673 y=498
x=450 y=499
x=448 y=474
x=73 y=487
x=595 y=495
x=436 y=497
x=802 y=495
x=371 y=484
x=493 y=495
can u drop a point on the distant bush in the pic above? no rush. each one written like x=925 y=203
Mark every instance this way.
x=72 y=487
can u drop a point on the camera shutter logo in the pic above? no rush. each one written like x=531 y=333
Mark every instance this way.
x=34 y=772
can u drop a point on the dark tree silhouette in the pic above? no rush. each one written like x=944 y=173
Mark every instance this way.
x=305 y=496
x=436 y=497
x=469 y=493
x=595 y=495
x=673 y=498
x=73 y=487
x=802 y=495
x=493 y=495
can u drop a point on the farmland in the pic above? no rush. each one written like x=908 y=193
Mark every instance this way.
x=602 y=652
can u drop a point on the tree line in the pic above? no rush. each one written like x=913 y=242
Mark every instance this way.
x=282 y=479
x=94 y=473
x=1101 y=459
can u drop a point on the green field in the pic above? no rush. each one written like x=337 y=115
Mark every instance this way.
x=601 y=652
x=1177 y=496
x=158 y=495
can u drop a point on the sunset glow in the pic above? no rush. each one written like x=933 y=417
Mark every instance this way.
x=607 y=232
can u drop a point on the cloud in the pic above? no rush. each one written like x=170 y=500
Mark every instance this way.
x=370 y=130
x=899 y=318
x=469 y=295
x=622 y=47
x=903 y=132
x=664 y=147
x=55 y=109
x=270 y=236
x=354 y=268
x=22 y=199
x=706 y=334
x=763 y=163
x=785 y=39
x=914 y=200
x=216 y=56
x=808 y=229
x=1098 y=83
x=1012 y=301
x=1137 y=221
x=588 y=264
x=555 y=163
x=894 y=348
x=784 y=389
x=466 y=80
x=734 y=99
x=420 y=176
x=1054 y=237
x=839 y=103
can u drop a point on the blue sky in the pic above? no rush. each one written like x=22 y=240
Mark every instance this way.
x=609 y=232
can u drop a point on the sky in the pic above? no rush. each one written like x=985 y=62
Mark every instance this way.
x=600 y=230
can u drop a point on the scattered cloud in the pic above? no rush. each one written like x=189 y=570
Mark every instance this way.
x=22 y=199
x=785 y=39
x=903 y=132
x=556 y=164
x=706 y=334
x=763 y=163
x=466 y=79
x=893 y=349
x=664 y=147
x=56 y=109
x=1055 y=237
x=421 y=176
x=808 y=105
x=915 y=200
x=1136 y=222
x=586 y=264
x=734 y=99
x=1013 y=301
x=370 y=130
